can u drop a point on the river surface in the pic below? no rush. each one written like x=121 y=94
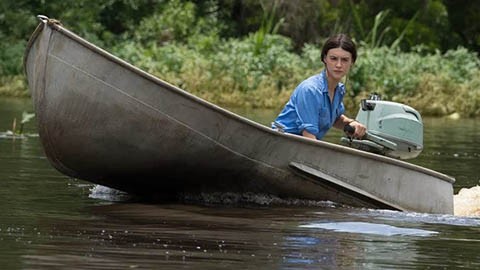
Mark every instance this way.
x=50 y=221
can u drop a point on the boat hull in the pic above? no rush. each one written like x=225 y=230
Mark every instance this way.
x=105 y=121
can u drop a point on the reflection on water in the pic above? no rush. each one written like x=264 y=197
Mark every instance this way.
x=452 y=147
x=131 y=235
x=49 y=221
x=368 y=228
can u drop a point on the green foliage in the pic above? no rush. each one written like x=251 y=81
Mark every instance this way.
x=13 y=86
x=268 y=26
x=254 y=53
x=177 y=22
x=9 y=58
x=249 y=64
x=376 y=36
x=433 y=83
x=403 y=23
x=164 y=45
x=173 y=24
x=236 y=73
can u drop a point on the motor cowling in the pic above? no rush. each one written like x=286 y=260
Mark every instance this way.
x=393 y=129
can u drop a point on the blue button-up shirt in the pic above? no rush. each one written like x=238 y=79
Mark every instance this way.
x=310 y=109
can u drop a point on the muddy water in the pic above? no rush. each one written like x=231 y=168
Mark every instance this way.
x=49 y=221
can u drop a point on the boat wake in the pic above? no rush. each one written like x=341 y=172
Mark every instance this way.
x=221 y=198
x=467 y=202
x=230 y=198
x=108 y=194
x=415 y=217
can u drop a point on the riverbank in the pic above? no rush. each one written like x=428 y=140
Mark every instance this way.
x=435 y=84
x=14 y=86
x=431 y=101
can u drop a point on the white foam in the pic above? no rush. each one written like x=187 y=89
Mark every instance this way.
x=467 y=202
x=419 y=217
x=107 y=194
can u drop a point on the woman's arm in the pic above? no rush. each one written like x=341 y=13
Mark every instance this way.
x=307 y=134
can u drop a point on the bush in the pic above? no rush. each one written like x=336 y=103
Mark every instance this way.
x=13 y=86
x=10 y=58
x=433 y=83
x=237 y=73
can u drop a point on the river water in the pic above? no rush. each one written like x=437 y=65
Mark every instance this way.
x=49 y=221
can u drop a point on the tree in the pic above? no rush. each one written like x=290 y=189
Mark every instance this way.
x=464 y=23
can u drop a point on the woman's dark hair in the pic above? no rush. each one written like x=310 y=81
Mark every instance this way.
x=340 y=41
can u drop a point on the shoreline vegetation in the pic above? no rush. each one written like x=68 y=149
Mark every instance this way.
x=261 y=68
x=435 y=84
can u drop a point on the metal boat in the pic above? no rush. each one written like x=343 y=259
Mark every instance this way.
x=103 y=120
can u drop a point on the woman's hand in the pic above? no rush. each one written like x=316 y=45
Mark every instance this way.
x=359 y=129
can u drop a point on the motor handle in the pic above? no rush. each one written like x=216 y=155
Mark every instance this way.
x=349 y=130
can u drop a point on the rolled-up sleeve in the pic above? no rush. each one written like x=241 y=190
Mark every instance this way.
x=307 y=106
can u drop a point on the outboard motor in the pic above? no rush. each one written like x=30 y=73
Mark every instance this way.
x=393 y=129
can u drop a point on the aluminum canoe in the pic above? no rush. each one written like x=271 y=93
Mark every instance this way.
x=103 y=120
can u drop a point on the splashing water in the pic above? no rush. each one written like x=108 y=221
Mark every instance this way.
x=107 y=194
x=231 y=198
x=467 y=202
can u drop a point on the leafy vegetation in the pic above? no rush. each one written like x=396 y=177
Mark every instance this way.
x=254 y=53
x=435 y=83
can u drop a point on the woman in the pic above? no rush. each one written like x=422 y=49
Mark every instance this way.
x=316 y=104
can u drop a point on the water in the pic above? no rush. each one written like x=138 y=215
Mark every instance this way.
x=49 y=221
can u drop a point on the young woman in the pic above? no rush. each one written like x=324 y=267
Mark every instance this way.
x=317 y=103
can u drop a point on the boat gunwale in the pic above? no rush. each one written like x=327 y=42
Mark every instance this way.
x=94 y=48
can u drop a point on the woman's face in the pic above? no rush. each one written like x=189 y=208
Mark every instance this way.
x=338 y=63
